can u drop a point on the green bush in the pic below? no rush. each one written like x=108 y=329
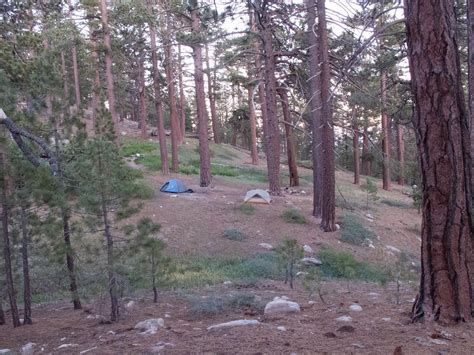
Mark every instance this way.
x=189 y=170
x=293 y=216
x=395 y=203
x=340 y=264
x=224 y=170
x=234 y=234
x=152 y=162
x=246 y=209
x=354 y=232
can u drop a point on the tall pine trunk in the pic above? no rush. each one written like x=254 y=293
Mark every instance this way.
x=400 y=155
x=75 y=69
x=172 y=101
x=7 y=256
x=204 y=155
x=182 y=98
x=355 y=148
x=273 y=131
x=26 y=268
x=2 y=314
x=470 y=31
x=443 y=140
x=158 y=103
x=253 y=125
x=212 y=98
x=290 y=139
x=328 y=181
x=64 y=74
x=386 y=179
x=142 y=99
x=109 y=76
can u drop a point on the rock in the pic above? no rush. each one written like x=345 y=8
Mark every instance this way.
x=87 y=350
x=234 y=323
x=266 y=246
x=311 y=302
x=355 y=308
x=281 y=328
x=386 y=319
x=227 y=282
x=150 y=326
x=337 y=226
x=374 y=294
x=346 y=329
x=64 y=346
x=396 y=250
x=439 y=342
x=130 y=306
x=280 y=306
x=160 y=346
x=28 y=349
x=167 y=315
x=308 y=249
x=369 y=216
x=344 y=319
x=301 y=273
x=5 y=351
x=311 y=261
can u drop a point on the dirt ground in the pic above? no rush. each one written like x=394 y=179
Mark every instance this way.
x=193 y=224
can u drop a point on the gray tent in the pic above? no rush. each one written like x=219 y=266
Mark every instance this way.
x=257 y=196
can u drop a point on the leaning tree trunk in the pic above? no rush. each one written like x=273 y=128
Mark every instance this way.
x=7 y=244
x=290 y=139
x=328 y=181
x=109 y=76
x=273 y=131
x=400 y=155
x=204 y=155
x=26 y=268
x=158 y=103
x=355 y=148
x=444 y=148
x=315 y=104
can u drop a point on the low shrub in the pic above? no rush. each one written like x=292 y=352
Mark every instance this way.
x=215 y=304
x=293 y=216
x=354 y=232
x=395 y=203
x=234 y=234
x=246 y=209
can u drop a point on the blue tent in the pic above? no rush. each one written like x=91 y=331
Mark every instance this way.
x=175 y=186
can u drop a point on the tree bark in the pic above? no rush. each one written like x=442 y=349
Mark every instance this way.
x=401 y=155
x=2 y=314
x=355 y=148
x=273 y=132
x=253 y=125
x=328 y=181
x=75 y=69
x=443 y=141
x=64 y=73
x=158 y=102
x=386 y=179
x=290 y=139
x=142 y=98
x=175 y=133
x=108 y=68
x=112 y=279
x=7 y=244
x=26 y=268
x=366 y=163
x=204 y=155
x=96 y=84
x=315 y=105
x=470 y=31
x=212 y=98
x=182 y=98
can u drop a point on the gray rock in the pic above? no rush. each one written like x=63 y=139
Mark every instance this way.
x=266 y=246
x=64 y=346
x=311 y=261
x=130 y=306
x=281 y=306
x=281 y=328
x=28 y=349
x=308 y=249
x=355 y=308
x=234 y=323
x=4 y=351
x=150 y=326
x=160 y=346
x=344 y=319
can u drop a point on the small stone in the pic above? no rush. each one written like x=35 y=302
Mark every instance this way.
x=234 y=323
x=396 y=250
x=311 y=261
x=308 y=249
x=344 y=319
x=167 y=315
x=28 y=349
x=338 y=226
x=64 y=346
x=302 y=273
x=369 y=216
x=130 y=306
x=439 y=342
x=355 y=308
x=227 y=282
x=281 y=328
x=374 y=294
x=281 y=306
x=160 y=346
x=150 y=326
x=386 y=319
x=111 y=332
x=266 y=246
x=311 y=302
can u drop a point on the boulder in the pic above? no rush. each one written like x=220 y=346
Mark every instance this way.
x=281 y=306
x=311 y=261
x=150 y=326
x=344 y=319
x=355 y=308
x=308 y=249
x=4 y=351
x=234 y=323
x=28 y=349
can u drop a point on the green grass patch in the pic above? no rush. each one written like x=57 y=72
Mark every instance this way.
x=354 y=232
x=293 y=216
x=132 y=147
x=247 y=209
x=341 y=264
x=234 y=234
x=395 y=203
x=151 y=162
x=189 y=170
x=224 y=170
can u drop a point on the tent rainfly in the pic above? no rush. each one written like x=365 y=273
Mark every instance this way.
x=175 y=186
x=258 y=196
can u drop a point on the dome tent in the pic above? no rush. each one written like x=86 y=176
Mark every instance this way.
x=174 y=186
x=257 y=196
